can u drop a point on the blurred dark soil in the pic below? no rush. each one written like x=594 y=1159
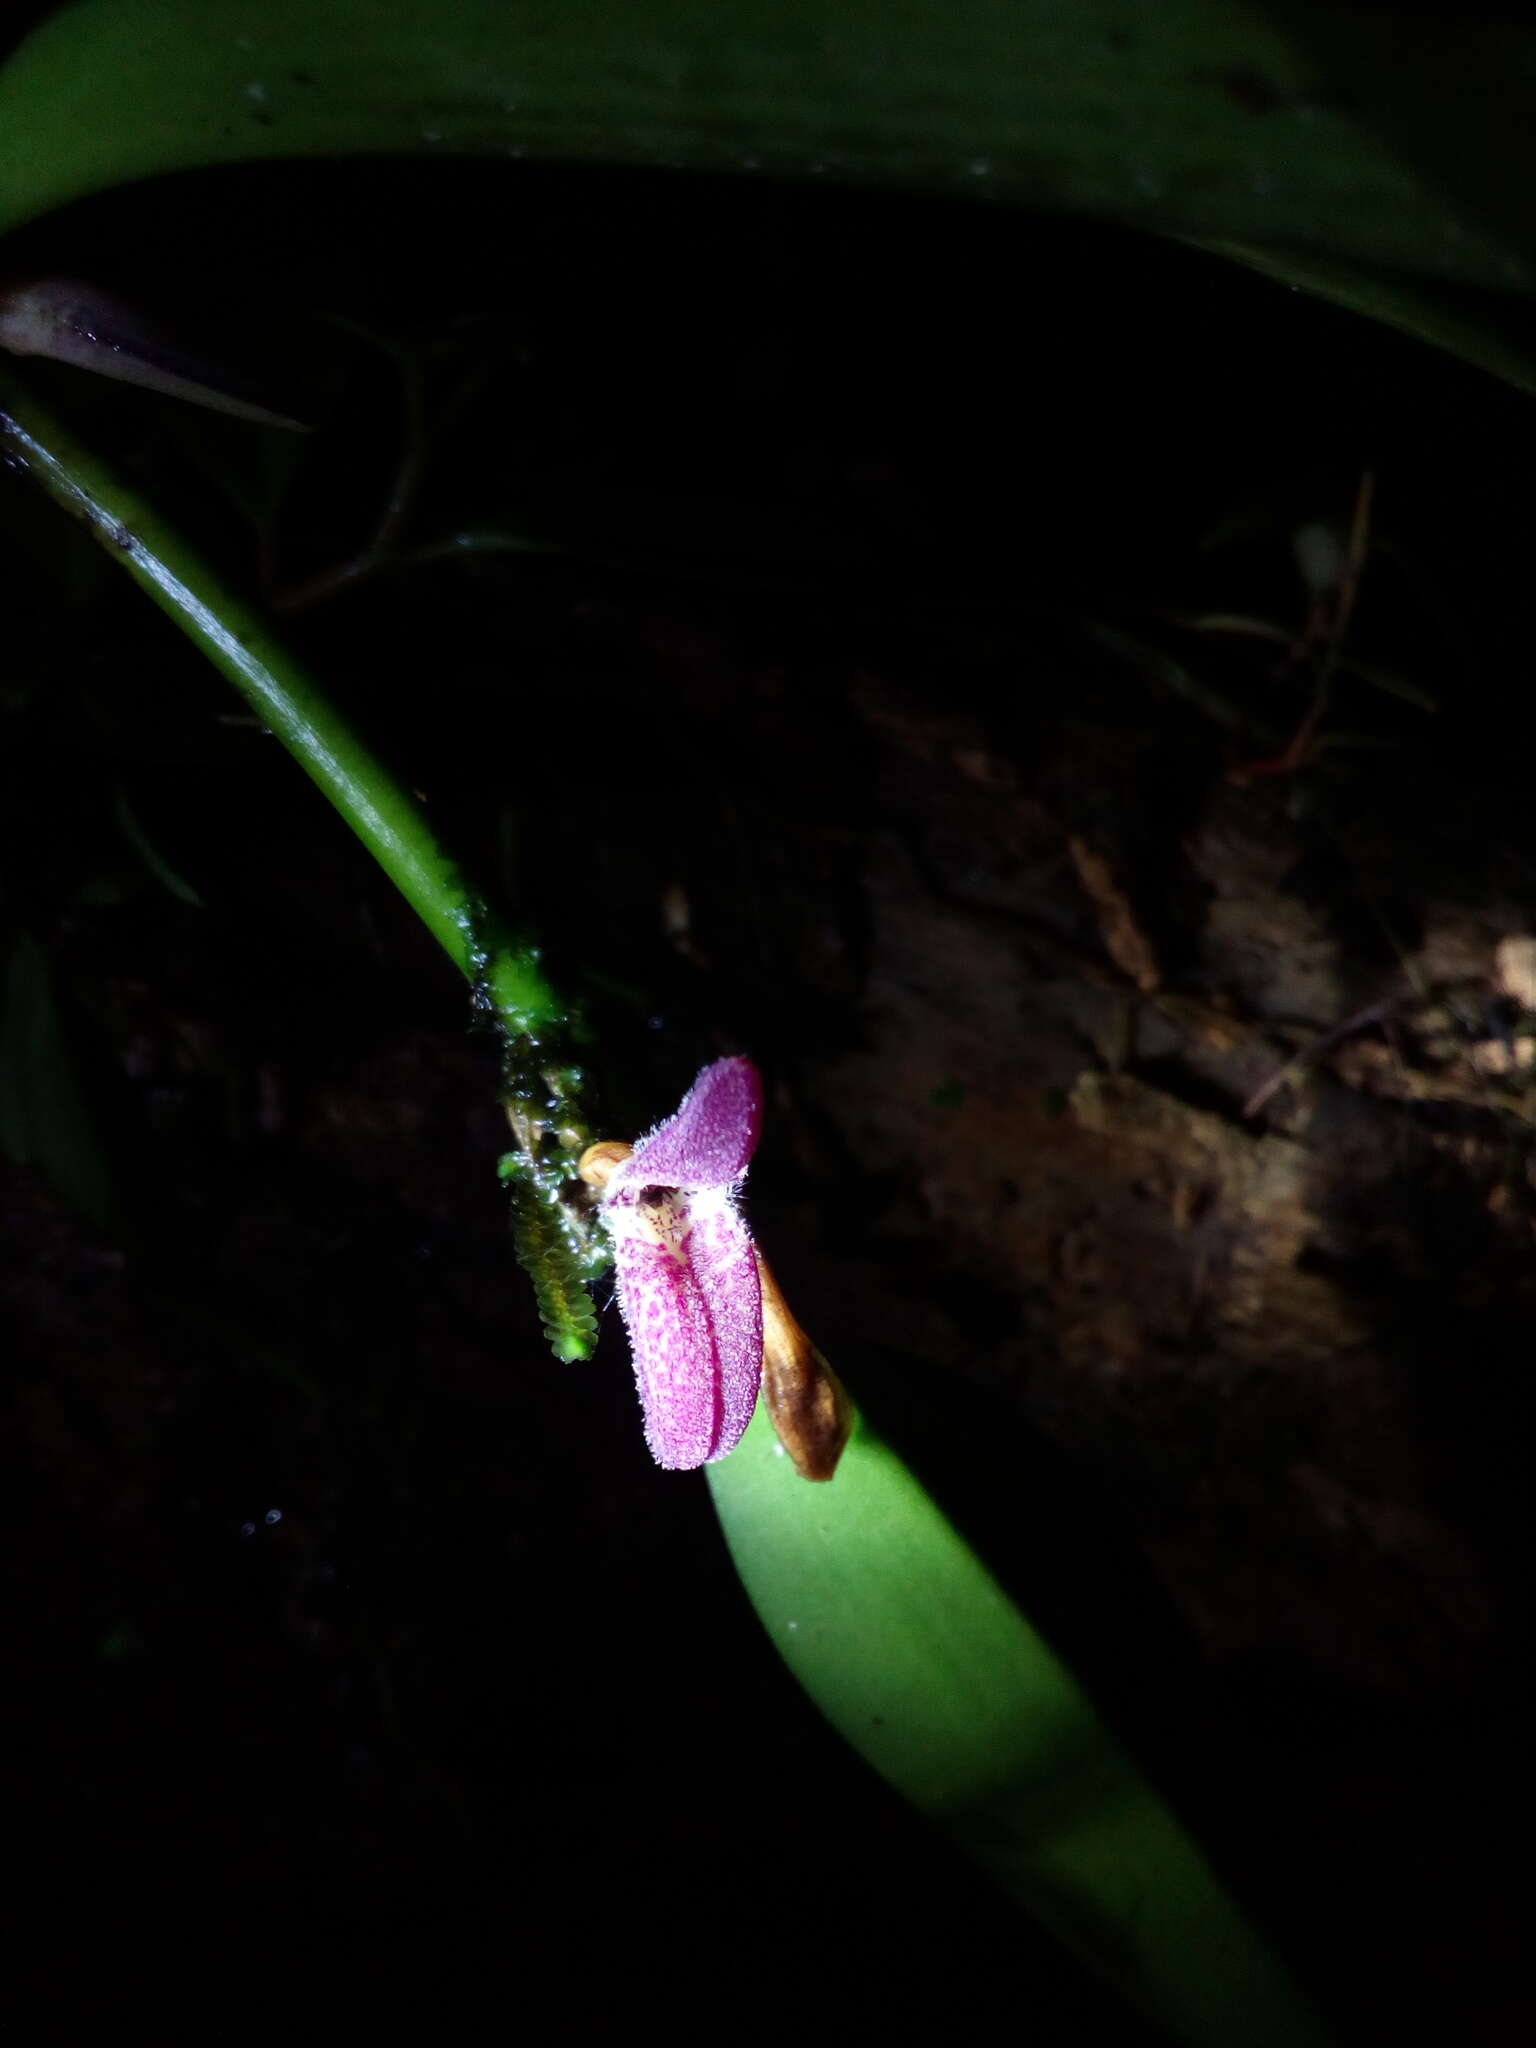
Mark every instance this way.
x=845 y=706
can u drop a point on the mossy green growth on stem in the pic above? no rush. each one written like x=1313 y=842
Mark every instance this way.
x=560 y=1249
x=556 y=1234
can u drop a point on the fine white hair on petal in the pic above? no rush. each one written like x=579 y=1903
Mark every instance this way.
x=726 y=1264
x=676 y=1366
x=687 y=1271
x=711 y=1139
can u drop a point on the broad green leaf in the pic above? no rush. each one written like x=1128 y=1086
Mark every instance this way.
x=1461 y=325
x=916 y=1654
x=1292 y=126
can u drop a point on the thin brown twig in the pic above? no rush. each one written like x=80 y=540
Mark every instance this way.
x=1373 y=1013
x=1332 y=634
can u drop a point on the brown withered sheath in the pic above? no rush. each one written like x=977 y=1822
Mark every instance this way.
x=806 y=1400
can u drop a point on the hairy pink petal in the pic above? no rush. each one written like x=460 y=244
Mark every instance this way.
x=687 y=1272
x=726 y=1265
x=675 y=1363
x=692 y=1303
x=712 y=1137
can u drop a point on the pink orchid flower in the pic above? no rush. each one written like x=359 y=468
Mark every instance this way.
x=687 y=1271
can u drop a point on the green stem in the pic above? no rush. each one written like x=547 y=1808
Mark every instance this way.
x=557 y=1246
x=508 y=978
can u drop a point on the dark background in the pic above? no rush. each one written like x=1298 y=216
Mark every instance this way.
x=852 y=541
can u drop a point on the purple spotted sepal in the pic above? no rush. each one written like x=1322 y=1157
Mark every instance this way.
x=687 y=1272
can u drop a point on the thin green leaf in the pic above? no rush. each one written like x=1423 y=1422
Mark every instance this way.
x=45 y=1120
x=169 y=880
